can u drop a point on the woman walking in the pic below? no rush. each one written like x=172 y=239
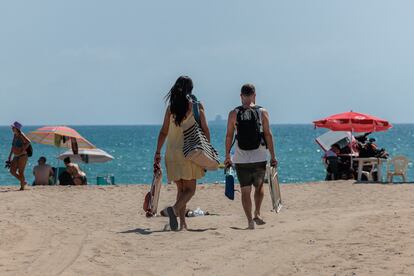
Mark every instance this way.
x=18 y=150
x=183 y=172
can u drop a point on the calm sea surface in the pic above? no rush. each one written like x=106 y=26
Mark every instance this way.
x=133 y=148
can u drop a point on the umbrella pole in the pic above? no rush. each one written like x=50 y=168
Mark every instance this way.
x=58 y=164
x=352 y=154
x=57 y=169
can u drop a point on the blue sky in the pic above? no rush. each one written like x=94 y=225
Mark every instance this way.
x=112 y=62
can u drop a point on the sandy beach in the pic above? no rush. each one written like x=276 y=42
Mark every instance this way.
x=338 y=228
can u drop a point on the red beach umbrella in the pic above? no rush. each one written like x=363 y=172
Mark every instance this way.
x=353 y=121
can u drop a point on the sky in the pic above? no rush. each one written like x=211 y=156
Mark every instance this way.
x=94 y=62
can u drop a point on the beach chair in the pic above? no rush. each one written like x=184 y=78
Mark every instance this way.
x=368 y=167
x=56 y=172
x=400 y=165
x=107 y=179
x=369 y=174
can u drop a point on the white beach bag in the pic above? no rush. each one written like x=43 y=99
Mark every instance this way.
x=196 y=146
x=198 y=150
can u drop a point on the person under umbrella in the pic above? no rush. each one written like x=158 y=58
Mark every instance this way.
x=78 y=176
x=43 y=172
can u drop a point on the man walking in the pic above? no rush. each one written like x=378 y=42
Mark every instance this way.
x=249 y=125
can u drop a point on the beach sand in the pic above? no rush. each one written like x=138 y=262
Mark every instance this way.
x=338 y=228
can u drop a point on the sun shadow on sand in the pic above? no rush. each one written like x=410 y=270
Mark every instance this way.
x=243 y=229
x=201 y=230
x=381 y=183
x=238 y=228
x=9 y=191
x=148 y=231
x=143 y=231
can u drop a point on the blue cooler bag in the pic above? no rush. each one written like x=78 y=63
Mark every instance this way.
x=229 y=189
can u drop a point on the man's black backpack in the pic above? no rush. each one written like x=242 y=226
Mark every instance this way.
x=249 y=134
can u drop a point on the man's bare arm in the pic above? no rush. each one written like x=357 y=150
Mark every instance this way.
x=231 y=122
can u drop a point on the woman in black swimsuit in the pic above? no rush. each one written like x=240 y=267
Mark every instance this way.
x=78 y=176
x=19 y=153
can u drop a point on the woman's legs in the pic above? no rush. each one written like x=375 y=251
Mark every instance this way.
x=181 y=212
x=187 y=191
x=21 y=166
x=13 y=168
x=17 y=168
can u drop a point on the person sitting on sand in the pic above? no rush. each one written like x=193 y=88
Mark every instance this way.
x=78 y=176
x=334 y=151
x=250 y=126
x=182 y=171
x=337 y=164
x=20 y=146
x=43 y=173
x=331 y=160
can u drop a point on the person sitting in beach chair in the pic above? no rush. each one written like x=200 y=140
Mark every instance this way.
x=78 y=176
x=337 y=166
x=43 y=173
x=331 y=160
x=369 y=149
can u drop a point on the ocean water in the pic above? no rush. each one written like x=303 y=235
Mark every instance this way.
x=133 y=148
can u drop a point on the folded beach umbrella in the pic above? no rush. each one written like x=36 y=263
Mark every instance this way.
x=354 y=122
x=87 y=156
x=60 y=136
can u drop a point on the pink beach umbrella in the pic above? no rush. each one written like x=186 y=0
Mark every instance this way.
x=60 y=136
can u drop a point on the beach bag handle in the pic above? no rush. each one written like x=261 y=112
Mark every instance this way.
x=196 y=107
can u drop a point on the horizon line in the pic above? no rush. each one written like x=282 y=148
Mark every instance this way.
x=157 y=124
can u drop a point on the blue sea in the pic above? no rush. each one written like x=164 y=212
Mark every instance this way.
x=133 y=148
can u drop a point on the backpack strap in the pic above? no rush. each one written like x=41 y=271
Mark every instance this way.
x=238 y=110
x=259 y=111
x=258 y=108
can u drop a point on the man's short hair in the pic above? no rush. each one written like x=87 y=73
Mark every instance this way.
x=42 y=158
x=66 y=160
x=248 y=89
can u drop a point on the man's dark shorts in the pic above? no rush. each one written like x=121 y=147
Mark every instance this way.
x=251 y=173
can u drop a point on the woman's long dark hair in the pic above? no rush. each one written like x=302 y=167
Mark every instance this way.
x=178 y=98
